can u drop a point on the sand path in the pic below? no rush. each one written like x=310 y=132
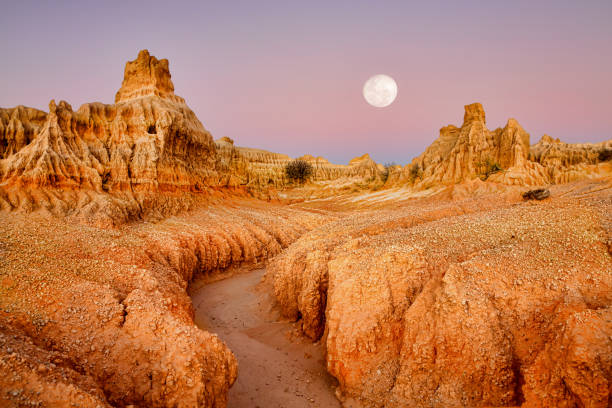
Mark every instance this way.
x=275 y=368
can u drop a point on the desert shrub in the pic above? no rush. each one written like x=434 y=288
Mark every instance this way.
x=385 y=174
x=298 y=170
x=538 y=194
x=414 y=172
x=605 y=155
x=488 y=167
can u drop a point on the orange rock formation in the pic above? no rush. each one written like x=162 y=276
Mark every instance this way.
x=101 y=317
x=476 y=302
x=146 y=76
x=442 y=289
x=261 y=171
x=565 y=162
x=501 y=156
x=140 y=150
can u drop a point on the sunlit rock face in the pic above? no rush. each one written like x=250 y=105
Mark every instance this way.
x=463 y=153
x=261 y=171
x=487 y=301
x=146 y=76
x=107 y=163
x=148 y=142
x=503 y=156
x=18 y=127
x=565 y=162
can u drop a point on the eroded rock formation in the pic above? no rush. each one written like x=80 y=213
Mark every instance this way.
x=468 y=303
x=566 y=162
x=146 y=156
x=460 y=295
x=262 y=171
x=146 y=76
x=503 y=155
x=18 y=127
x=101 y=317
x=467 y=152
x=141 y=150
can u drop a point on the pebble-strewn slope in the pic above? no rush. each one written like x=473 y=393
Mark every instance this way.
x=479 y=302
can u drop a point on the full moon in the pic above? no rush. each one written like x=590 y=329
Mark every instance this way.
x=380 y=90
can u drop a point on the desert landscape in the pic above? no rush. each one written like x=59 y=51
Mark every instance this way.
x=323 y=204
x=143 y=263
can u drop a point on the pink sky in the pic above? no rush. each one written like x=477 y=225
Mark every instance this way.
x=287 y=76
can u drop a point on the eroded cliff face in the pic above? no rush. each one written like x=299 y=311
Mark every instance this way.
x=108 y=161
x=503 y=156
x=566 y=162
x=18 y=127
x=101 y=317
x=477 y=302
x=146 y=156
x=261 y=171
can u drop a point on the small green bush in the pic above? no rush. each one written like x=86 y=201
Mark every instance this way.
x=415 y=172
x=605 y=155
x=488 y=167
x=385 y=174
x=298 y=170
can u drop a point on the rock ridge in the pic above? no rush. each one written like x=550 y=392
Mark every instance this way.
x=261 y=171
x=109 y=163
x=502 y=156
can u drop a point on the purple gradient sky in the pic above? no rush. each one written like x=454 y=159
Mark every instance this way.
x=287 y=76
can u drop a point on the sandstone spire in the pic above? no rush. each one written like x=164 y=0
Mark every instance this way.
x=146 y=76
x=148 y=144
x=473 y=151
x=474 y=112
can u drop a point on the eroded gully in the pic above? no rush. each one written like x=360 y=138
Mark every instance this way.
x=277 y=368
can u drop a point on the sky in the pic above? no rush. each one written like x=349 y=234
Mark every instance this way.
x=287 y=76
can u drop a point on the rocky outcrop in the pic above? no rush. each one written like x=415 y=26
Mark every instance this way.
x=254 y=169
x=18 y=127
x=470 y=303
x=263 y=171
x=146 y=156
x=502 y=156
x=147 y=76
x=141 y=150
x=474 y=151
x=538 y=194
x=566 y=162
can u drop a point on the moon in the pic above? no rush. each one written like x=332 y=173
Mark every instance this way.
x=380 y=90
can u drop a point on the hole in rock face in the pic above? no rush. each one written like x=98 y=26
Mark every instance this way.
x=106 y=180
x=152 y=130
